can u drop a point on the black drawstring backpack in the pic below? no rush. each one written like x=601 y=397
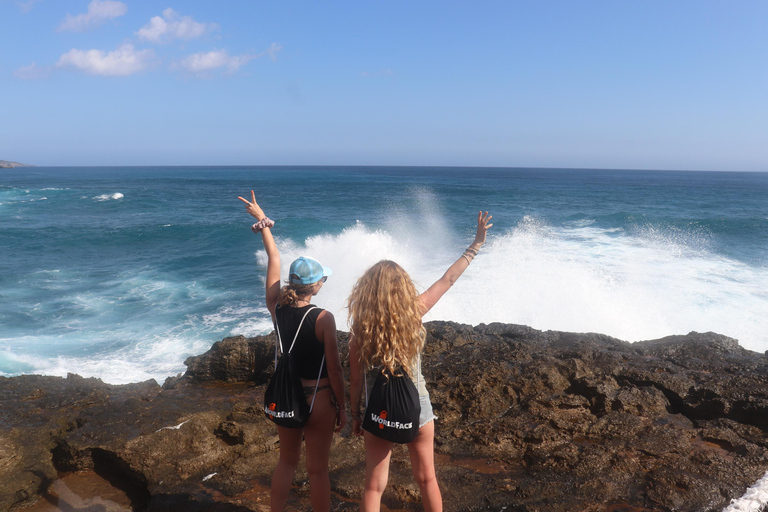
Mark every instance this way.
x=393 y=409
x=284 y=401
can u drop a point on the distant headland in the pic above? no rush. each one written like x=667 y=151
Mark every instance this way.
x=5 y=164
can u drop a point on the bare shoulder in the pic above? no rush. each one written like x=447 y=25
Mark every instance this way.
x=325 y=319
x=325 y=326
x=325 y=314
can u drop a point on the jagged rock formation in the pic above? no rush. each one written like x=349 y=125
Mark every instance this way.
x=529 y=421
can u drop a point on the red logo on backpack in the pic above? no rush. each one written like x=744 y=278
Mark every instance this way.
x=383 y=416
x=272 y=406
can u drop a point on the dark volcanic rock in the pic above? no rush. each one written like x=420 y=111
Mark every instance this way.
x=37 y=413
x=232 y=360
x=529 y=421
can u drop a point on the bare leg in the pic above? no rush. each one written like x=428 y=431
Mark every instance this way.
x=290 y=452
x=422 y=452
x=318 y=436
x=378 y=452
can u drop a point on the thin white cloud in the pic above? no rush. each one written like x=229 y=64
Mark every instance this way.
x=99 y=11
x=209 y=61
x=122 y=62
x=26 y=6
x=170 y=26
x=271 y=52
x=31 y=72
x=204 y=62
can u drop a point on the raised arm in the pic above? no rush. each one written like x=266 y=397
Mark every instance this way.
x=430 y=297
x=273 y=256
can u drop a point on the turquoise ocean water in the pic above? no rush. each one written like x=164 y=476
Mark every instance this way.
x=122 y=273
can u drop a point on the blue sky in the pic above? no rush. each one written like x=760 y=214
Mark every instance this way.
x=606 y=84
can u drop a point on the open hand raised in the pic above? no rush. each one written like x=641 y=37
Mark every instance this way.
x=483 y=220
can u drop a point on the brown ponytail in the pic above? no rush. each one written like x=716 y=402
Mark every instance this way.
x=290 y=293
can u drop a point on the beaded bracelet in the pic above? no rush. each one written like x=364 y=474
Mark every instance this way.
x=266 y=222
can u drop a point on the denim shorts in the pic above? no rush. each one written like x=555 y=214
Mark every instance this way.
x=427 y=414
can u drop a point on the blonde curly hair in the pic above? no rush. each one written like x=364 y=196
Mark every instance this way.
x=385 y=315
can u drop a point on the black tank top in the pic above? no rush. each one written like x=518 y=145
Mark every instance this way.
x=308 y=351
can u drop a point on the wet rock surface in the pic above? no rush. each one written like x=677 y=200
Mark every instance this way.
x=529 y=421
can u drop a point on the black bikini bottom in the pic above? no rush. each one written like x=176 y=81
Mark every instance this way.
x=310 y=390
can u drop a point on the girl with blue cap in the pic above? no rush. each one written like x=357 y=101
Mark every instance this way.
x=315 y=347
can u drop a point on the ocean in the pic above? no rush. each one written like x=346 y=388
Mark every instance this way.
x=121 y=273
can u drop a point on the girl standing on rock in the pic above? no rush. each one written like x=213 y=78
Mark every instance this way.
x=317 y=337
x=386 y=333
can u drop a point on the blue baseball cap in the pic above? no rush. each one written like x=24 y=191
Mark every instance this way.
x=307 y=271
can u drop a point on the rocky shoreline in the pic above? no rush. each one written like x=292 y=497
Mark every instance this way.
x=529 y=421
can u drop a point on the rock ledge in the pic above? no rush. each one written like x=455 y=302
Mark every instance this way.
x=529 y=421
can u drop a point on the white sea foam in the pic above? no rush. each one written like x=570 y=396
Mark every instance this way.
x=348 y=254
x=154 y=357
x=12 y=363
x=28 y=200
x=581 y=279
x=417 y=237
x=246 y=319
x=126 y=330
x=107 y=197
x=753 y=500
x=112 y=370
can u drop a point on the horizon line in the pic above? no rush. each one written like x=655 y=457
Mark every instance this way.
x=499 y=167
